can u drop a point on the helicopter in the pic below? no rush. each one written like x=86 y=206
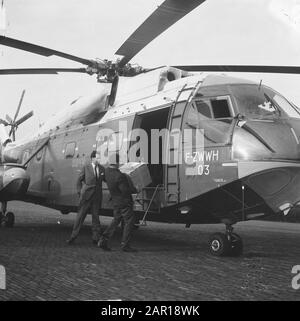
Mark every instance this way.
x=246 y=157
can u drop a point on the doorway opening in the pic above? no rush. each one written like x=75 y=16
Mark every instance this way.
x=153 y=120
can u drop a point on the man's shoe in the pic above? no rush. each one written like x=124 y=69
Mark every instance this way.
x=129 y=249
x=103 y=246
x=70 y=241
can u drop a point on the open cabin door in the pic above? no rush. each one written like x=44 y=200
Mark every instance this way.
x=147 y=143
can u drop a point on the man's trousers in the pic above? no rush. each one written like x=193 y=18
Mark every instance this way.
x=93 y=205
x=128 y=215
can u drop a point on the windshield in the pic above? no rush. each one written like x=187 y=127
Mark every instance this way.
x=259 y=102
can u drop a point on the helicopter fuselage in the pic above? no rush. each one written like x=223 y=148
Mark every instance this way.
x=244 y=165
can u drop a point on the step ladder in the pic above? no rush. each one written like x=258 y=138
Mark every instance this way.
x=174 y=124
x=148 y=209
x=147 y=201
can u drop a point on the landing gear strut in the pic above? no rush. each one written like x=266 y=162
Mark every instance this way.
x=226 y=244
x=7 y=218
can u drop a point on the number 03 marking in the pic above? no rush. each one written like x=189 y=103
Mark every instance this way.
x=203 y=170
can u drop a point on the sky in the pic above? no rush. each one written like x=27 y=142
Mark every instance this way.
x=265 y=32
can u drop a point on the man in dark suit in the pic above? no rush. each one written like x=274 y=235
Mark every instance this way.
x=120 y=191
x=89 y=189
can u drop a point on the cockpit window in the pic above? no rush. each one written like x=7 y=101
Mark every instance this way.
x=213 y=115
x=203 y=108
x=208 y=108
x=253 y=103
x=286 y=106
x=220 y=108
x=260 y=102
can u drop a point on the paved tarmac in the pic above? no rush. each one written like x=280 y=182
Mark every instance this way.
x=173 y=263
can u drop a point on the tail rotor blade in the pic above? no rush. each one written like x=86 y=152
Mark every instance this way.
x=12 y=133
x=24 y=118
x=8 y=118
x=5 y=123
x=19 y=106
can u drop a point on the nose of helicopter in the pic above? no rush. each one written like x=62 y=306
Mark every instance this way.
x=268 y=154
x=14 y=182
x=267 y=140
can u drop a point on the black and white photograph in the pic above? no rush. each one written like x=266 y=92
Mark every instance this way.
x=150 y=152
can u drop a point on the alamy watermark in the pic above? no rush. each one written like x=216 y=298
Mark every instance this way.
x=2 y=278
x=157 y=146
x=296 y=278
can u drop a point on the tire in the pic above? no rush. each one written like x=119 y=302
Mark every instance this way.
x=219 y=244
x=236 y=245
x=9 y=220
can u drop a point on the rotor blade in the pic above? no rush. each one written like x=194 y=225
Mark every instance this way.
x=19 y=106
x=5 y=123
x=24 y=118
x=39 y=50
x=169 y=12
x=12 y=130
x=40 y=71
x=241 y=68
x=8 y=118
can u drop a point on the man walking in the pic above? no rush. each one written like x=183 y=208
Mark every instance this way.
x=120 y=191
x=89 y=189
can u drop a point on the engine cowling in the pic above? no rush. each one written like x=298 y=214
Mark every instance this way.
x=11 y=155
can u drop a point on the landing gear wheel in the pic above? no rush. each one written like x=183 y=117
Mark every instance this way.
x=236 y=245
x=219 y=244
x=9 y=219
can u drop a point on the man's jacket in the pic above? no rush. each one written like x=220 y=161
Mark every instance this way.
x=119 y=188
x=87 y=184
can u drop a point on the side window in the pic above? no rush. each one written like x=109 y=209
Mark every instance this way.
x=213 y=115
x=25 y=156
x=210 y=108
x=204 y=108
x=70 y=150
x=220 y=108
x=39 y=155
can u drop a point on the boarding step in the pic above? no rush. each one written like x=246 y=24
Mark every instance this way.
x=172 y=201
